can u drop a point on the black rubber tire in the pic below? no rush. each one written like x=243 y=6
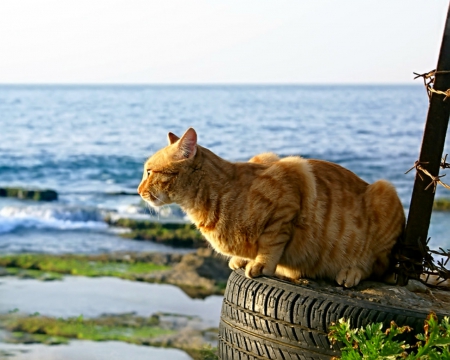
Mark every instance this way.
x=266 y=318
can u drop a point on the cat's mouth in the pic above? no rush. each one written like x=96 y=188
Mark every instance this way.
x=153 y=200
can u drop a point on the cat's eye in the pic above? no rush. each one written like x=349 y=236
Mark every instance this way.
x=149 y=172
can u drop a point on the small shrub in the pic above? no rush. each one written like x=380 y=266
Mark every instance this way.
x=372 y=343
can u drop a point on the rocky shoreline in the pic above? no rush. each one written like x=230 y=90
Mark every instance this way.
x=158 y=330
x=199 y=274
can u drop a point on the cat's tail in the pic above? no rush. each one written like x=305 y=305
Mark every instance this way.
x=264 y=158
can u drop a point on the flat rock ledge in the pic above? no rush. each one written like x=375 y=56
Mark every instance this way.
x=199 y=274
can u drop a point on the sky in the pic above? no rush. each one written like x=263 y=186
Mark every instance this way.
x=219 y=41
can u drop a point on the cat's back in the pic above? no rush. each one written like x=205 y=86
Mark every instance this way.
x=263 y=186
x=328 y=174
x=322 y=171
x=309 y=176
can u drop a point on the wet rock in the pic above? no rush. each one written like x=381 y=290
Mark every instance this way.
x=29 y=194
x=176 y=234
x=153 y=257
x=188 y=338
x=206 y=263
x=416 y=286
x=200 y=274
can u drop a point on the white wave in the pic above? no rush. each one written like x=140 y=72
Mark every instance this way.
x=47 y=217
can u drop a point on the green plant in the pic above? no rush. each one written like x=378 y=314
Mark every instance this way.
x=372 y=343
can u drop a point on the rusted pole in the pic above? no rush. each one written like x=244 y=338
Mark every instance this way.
x=430 y=158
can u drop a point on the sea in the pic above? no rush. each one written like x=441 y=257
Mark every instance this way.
x=89 y=144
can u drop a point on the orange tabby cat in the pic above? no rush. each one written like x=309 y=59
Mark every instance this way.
x=288 y=217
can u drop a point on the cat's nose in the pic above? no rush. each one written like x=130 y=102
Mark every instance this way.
x=139 y=189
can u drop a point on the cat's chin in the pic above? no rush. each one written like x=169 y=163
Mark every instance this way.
x=155 y=203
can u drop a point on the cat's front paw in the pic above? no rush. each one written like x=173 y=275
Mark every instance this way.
x=349 y=277
x=255 y=269
x=237 y=263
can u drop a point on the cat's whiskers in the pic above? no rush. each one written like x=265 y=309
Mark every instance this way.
x=157 y=198
x=152 y=211
x=158 y=212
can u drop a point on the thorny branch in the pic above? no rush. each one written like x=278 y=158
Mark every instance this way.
x=435 y=180
x=429 y=266
x=444 y=163
x=428 y=81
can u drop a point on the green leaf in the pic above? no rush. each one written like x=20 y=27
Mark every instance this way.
x=372 y=343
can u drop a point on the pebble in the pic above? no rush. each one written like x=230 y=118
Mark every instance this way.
x=416 y=286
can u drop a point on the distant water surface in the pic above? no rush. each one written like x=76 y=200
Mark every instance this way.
x=90 y=142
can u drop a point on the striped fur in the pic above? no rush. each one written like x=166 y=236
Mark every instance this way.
x=288 y=217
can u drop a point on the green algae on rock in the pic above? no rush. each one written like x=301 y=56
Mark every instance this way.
x=29 y=194
x=173 y=234
x=137 y=330
x=441 y=204
x=78 y=265
x=156 y=330
x=30 y=274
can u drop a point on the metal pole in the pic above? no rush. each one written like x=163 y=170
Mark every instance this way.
x=430 y=158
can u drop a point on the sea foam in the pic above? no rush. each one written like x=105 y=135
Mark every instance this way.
x=49 y=217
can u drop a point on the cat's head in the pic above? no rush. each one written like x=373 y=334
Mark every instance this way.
x=165 y=172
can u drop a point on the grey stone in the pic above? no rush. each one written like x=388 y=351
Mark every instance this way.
x=416 y=286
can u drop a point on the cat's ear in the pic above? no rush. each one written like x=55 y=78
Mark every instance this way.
x=172 y=138
x=188 y=144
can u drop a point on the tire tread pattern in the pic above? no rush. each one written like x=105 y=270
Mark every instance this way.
x=266 y=318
